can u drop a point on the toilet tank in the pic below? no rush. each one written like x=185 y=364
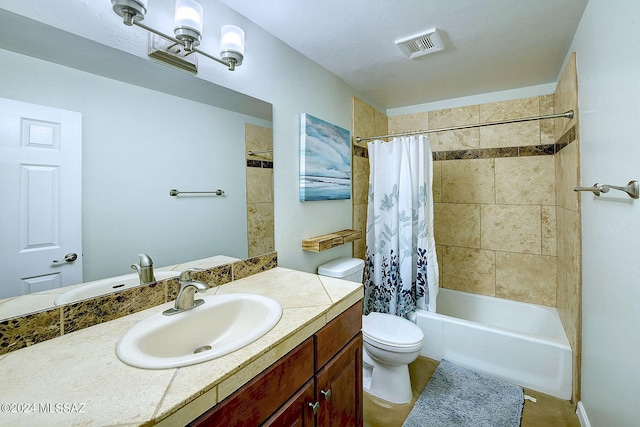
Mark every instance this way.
x=343 y=268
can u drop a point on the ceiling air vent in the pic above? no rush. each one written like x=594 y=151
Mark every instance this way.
x=420 y=44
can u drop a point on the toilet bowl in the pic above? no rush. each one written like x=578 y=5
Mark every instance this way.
x=390 y=342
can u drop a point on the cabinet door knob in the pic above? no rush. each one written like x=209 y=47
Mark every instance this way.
x=315 y=406
x=326 y=394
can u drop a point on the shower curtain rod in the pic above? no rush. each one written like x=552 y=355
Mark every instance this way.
x=566 y=114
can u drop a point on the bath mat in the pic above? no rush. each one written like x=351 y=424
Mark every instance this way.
x=457 y=397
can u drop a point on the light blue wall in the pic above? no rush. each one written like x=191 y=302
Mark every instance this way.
x=137 y=145
x=608 y=63
x=272 y=71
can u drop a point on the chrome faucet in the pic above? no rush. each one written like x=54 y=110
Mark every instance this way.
x=188 y=287
x=144 y=269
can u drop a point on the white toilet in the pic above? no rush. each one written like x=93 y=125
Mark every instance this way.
x=390 y=342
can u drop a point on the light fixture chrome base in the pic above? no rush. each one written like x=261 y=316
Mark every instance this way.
x=173 y=54
x=233 y=57
x=129 y=10
x=188 y=36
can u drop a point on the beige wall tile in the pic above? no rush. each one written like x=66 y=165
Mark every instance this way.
x=549 y=231
x=457 y=224
x=561 y=294
x=260 y=246
x=510 y=135
x=463 y=139
x=526 y=180
x=360 y=223
x=408 y=123
x=511 y=228
x=260 y=220
x=468 y=181
x=380 y=123
x=567 y=167
x=568 y=301
x=449 y=117
x=259 y=185
x=547 y=127
x=566 y=97
x=360 y=174
x=459 y=139
x=363 y=120
x=437 y=182
x=469 y=270
x=569 y=239
x=258 y=138
x=546 y=106
x=259 y=197
x=367 y=121
x=527 y=278
x=511 y=109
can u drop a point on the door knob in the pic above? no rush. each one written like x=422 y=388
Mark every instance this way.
x=67 y=258
x=326 y=394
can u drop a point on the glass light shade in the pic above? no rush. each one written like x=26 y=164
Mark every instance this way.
x=232 y=39
x=188 y=16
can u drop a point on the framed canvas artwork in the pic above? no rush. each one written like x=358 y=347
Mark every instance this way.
x=325 y=160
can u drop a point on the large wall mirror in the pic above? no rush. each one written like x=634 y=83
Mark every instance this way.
x=146 y=129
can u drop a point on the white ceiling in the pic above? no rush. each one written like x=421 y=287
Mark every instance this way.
x=490 y=45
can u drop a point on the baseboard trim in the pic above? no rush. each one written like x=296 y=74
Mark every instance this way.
x=582 y=415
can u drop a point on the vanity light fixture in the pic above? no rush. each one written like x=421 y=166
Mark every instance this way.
x=188 y=34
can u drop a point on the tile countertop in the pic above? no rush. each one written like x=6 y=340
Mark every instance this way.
x=77 y=379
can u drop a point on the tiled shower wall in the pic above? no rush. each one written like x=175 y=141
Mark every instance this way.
x=569 y=235
x=366 y=121
x=260 y=228
x=507 y=222
x=494 y=198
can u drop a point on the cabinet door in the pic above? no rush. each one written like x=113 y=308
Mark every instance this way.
x=255 y=402
x=297 y=412
x=339 y=386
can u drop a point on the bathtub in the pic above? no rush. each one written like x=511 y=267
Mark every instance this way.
x=522 y=343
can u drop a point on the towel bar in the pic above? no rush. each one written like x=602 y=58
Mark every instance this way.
x=174 y=192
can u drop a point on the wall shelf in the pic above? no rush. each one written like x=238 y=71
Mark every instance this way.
x=331 y=240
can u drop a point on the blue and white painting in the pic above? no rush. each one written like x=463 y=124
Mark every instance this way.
x=325 y=160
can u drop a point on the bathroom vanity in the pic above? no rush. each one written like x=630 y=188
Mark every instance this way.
x=311 y=360
x=320 y=379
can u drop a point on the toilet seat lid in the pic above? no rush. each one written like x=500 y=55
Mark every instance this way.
x=391 y=330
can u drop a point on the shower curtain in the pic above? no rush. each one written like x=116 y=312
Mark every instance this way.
x=401 y=269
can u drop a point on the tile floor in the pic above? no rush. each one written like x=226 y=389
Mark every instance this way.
x=546 y=412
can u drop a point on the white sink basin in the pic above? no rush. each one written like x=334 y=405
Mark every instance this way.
x=223 y=324
x=108 y=285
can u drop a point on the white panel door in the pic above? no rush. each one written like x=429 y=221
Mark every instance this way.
x=40 y=198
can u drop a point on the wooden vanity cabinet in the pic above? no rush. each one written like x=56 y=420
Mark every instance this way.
x=319 y=383
x=338 y=373
x=339 y=388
